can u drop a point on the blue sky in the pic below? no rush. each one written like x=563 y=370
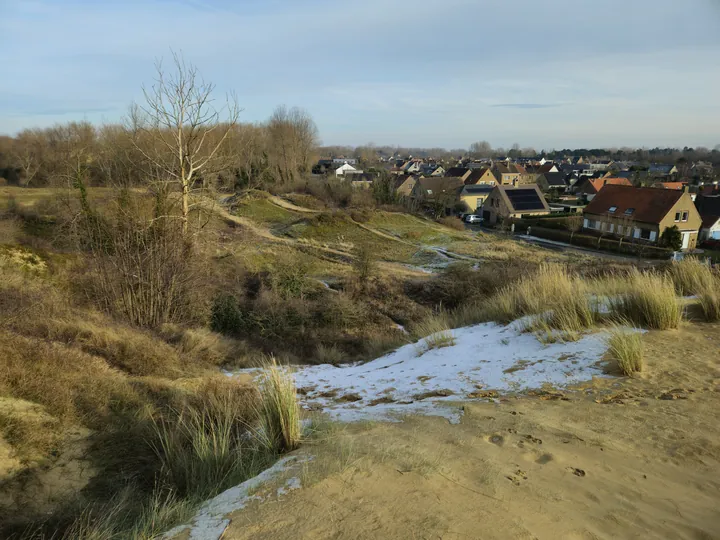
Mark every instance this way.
x=551 y=74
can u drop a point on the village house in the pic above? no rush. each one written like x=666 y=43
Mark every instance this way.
x=439 y=191
x=506 y=174
x=709 y=208
x=482 y=176
x=590 y=187
x=347 y=169
x=552 y=180
x=643 y=214
x=505 y=202
x=669 y=185
x=404 y=185
x=458 y=172
x=472 y=197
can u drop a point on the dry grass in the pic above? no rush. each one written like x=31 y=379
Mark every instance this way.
x=434 y=333
x=709 y=300
x=279 y=411
x=329 y=354
x=626 y=348
x=691 y=276
x=650 y=302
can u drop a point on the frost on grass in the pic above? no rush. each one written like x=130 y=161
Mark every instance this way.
x=486 y=356
x=212 y=519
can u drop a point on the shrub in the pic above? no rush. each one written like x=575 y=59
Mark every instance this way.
x=452 y=222
x=650 y=302
x=671 y=238
x=226 y=316
x=278 y=410
x=364 y=265
x=625 y=346
x=329 y=354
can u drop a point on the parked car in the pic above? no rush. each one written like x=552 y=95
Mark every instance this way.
x=473 y=218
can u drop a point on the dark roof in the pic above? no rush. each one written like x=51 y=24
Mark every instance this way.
x=440 y=184
x=474 y=189
x=555 y=179
x=524 y=198
x=709 y=208
x=457 y=171
x=401 y=179
x=475 y=175
x=546 y=168
x=649 y=205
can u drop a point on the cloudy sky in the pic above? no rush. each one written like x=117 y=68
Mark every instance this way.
x=551 y=74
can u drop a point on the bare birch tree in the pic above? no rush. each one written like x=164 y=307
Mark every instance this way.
x=179 y=131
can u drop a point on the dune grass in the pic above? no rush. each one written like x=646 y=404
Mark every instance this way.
x=433 y=332
x=650 y=302
x=625 y=346
x=691 y=276
x=709 y=300
x=278 y=410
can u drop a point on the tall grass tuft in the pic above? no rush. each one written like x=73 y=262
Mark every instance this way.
x=206 y=449
x=279 y=411
x=710 y=302
x=625 y=346
x=651 y=302
x=691 y=276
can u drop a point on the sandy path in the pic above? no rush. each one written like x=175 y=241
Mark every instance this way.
x=616 y=458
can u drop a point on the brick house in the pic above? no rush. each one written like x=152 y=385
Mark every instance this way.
x=643 y=214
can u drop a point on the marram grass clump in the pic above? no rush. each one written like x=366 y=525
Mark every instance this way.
x=279 y=411
x=650 y=302
x=626 y=348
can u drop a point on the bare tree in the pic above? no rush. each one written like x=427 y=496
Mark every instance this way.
x=481 y=149
x=573 y=224
x=179 y=131
x=293 y=141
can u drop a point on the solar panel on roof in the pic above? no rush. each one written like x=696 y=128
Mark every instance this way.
x=525 y=199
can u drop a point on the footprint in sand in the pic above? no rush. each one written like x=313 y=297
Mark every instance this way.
x=544 y=459
x=518 y=477
x=496 y=439
x=576 y=471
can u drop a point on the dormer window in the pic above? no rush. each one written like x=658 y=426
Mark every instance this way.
x=629 y=211
x=612 y=209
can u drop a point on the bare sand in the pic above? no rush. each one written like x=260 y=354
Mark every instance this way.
x=615 y=458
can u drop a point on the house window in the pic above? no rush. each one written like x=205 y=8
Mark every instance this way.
x=645 y=234
x=612 y=209
x=591 y=224
x=620 y=230
x=629 y=211
x=677 y=217
x=429 y=191
x=685 y=216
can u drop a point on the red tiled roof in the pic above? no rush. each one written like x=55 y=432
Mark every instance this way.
x=599 y=183
x=669 y=185
x=650 y=205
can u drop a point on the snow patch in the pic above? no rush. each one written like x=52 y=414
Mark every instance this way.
x=211 y=520
x=484 y=357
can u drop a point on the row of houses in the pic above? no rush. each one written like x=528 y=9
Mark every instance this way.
x=617 y=210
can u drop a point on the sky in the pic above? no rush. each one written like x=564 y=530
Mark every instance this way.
x=419 y=73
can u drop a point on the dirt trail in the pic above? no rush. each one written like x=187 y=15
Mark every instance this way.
x=287 y=205
x=322 y=251
x=617 y=458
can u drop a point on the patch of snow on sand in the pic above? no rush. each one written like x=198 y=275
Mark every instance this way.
x=211 y=520
x=486 y=356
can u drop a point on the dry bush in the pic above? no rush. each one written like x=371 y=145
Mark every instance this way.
x=625 y=346
x=204 y=346
x=452 y=222
x=142 y=266
x=328 y=354
x=650 y=302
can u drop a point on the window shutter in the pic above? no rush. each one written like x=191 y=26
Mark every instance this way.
x=636 y=234
x=653 y=236
x=585 y=223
